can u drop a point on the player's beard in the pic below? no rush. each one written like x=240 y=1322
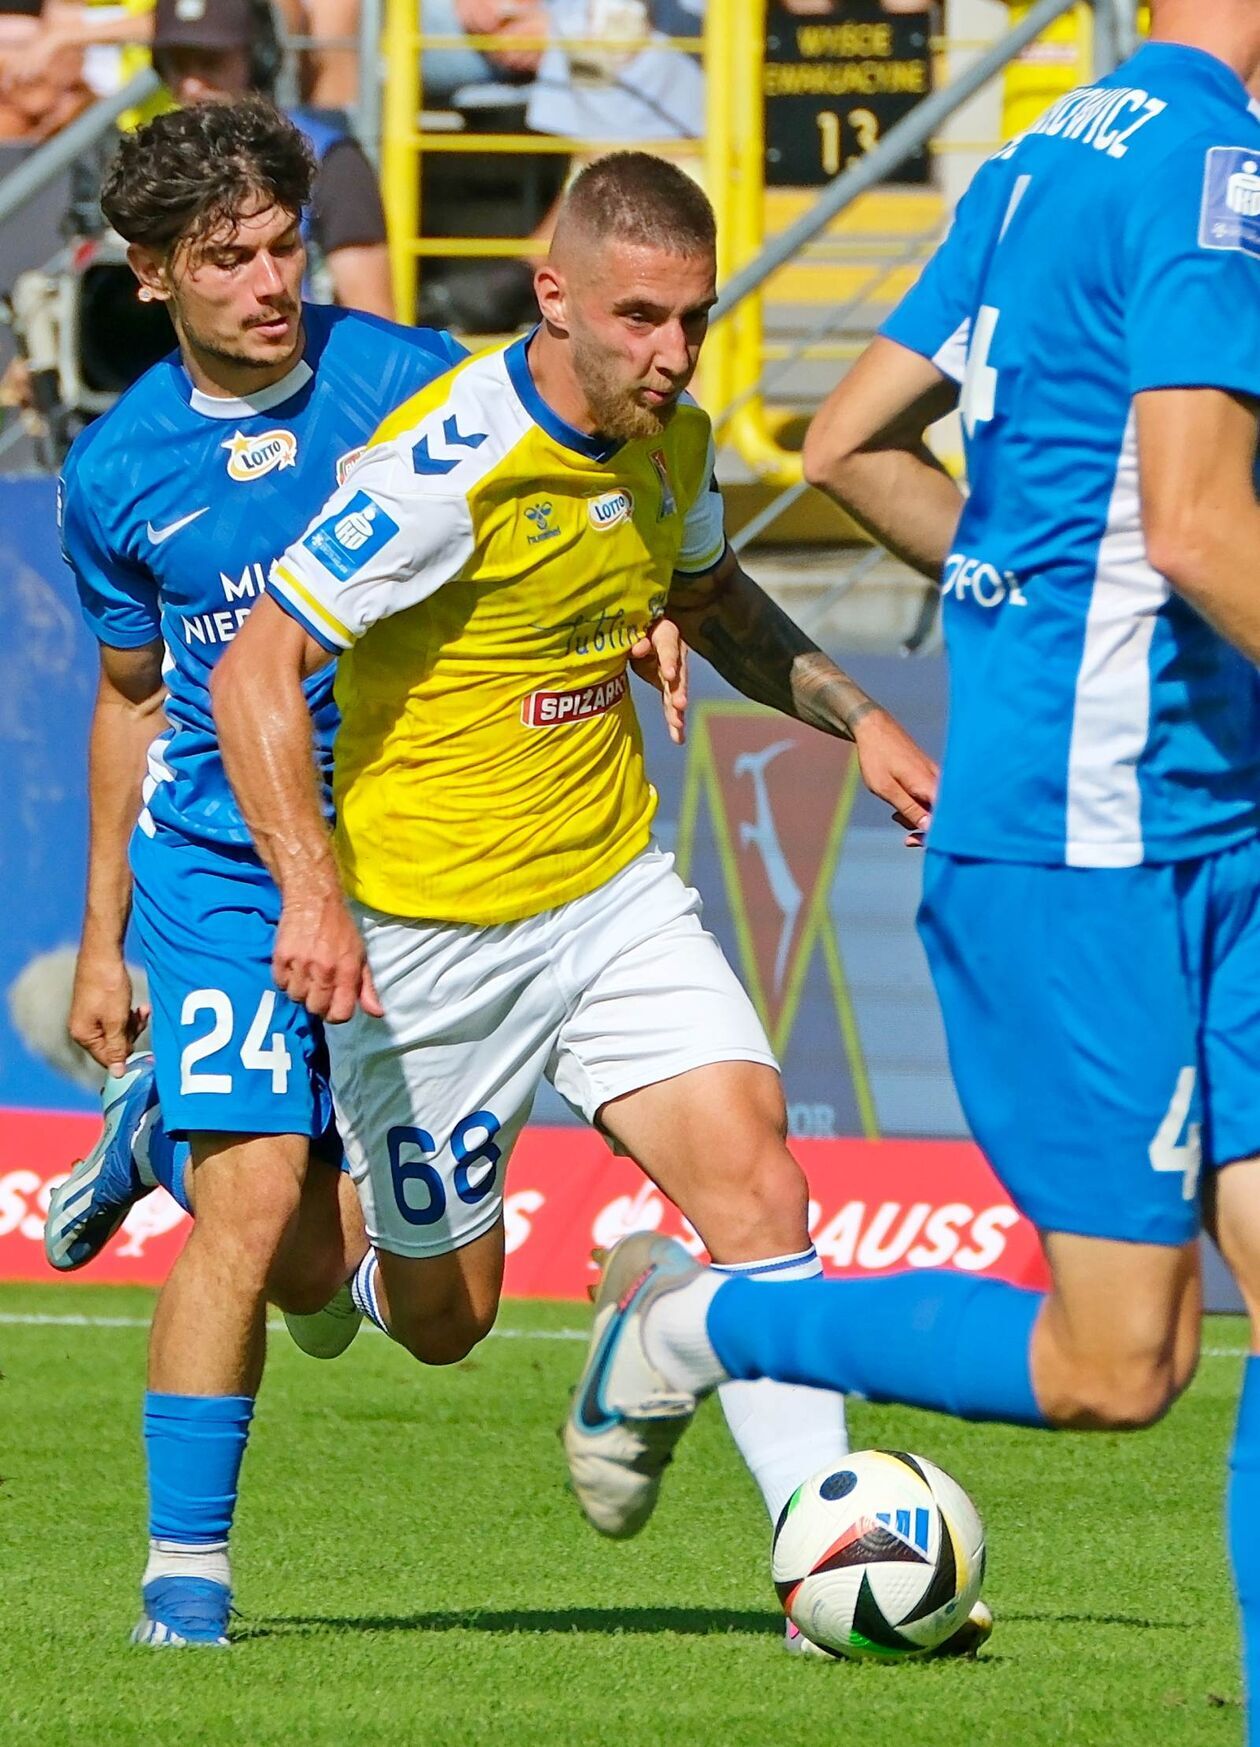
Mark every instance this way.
x=615 y=408
x=224 y=350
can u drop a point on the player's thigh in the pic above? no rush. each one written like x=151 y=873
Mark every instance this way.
x=439 y=1307
x=663 y=1049
x=233 y=1053
x=1118 y=1338
x=1071 y=1021
x=248 y=1190
x=431 y=1097
x=1236 y=1221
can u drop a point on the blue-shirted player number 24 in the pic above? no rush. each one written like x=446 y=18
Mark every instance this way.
x=258 y=1055
x=419 y=1188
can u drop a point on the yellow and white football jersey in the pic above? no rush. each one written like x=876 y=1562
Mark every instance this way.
x=485 y=569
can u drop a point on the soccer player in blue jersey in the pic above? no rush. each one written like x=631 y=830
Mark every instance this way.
x=173 y=506
x=1091 y=905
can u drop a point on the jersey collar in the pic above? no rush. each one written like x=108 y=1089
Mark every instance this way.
x=560 y=430
x=246 y=405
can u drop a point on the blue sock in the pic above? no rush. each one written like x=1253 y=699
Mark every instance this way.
x=937 y=1340
x=159 y=1159
x=1244 y=1536
x=194 y=1445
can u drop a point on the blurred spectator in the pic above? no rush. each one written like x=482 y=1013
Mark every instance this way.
x=213 y=50
x=620 y=91
x=77 y=50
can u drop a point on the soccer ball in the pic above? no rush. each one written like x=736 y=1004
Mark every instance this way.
x=881 y=1557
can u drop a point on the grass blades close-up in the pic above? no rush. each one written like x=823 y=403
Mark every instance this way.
x=410 y=1567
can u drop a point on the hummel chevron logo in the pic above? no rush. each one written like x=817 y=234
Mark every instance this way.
x=157 y=535
x=424 y=461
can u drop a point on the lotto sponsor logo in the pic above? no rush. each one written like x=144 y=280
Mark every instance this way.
x=252 y=457
x=609 y=509
x=556 y=709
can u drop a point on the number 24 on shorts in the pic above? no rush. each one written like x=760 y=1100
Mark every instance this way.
x=411 y=1167
x=256 y=1053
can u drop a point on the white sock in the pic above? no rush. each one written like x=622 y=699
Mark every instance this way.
x=184 y=1559
x=363 y=1290
x=783 y=1431
x=676 y=1337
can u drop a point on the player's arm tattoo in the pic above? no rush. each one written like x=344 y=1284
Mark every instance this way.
x=726 y=617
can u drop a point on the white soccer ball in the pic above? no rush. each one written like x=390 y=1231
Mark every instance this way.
x=881 y=1556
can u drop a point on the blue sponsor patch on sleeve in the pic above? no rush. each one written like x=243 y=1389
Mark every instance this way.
x=1230 y=216
x=345 y=542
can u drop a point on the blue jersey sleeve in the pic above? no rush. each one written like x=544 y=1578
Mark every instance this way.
x=934 y=317
x=118 y=598
x=1193 y=273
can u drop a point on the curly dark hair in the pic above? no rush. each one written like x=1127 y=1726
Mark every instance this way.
x=185 y=174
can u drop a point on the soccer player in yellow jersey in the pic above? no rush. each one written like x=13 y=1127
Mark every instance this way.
x=494 y=908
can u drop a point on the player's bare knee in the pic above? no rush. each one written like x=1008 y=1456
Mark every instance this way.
x=441 y=1340
x=1120 y=1398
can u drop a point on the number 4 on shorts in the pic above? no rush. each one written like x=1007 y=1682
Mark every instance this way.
x=1176 y=1146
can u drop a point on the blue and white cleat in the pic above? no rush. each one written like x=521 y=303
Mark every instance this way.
x=184 y=1610
x=87 y=1209
x=625 y=1418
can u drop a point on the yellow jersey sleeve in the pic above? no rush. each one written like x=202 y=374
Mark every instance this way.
x=382 y=543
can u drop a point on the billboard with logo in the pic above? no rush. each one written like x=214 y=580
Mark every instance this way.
x=805 y=882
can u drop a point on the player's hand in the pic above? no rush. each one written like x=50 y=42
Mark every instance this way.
x=660 y=658
x=898 y=771
x=103 y=1020
x=320 y=960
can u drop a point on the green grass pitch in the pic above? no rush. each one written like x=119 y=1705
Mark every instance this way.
x=410 y=1568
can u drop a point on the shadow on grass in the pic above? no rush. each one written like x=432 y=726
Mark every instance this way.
x=610 y=1622
x=1053 y=1619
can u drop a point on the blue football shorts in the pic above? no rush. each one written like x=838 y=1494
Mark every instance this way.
x=234 y=1055
x=1104 y=1030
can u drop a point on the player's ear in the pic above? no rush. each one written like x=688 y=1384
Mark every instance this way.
x=552 y=295
x=149 y=268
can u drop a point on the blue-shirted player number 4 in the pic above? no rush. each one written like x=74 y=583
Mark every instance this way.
x=414 y=1175
x=978 y=401
x=257 y=1054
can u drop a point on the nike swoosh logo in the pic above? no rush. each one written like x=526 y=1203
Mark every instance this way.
x=592 y=1414
x=157 y=535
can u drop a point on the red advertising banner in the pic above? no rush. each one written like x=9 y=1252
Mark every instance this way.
x=877 y=1206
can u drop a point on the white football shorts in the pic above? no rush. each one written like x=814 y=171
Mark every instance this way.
x=605 y=994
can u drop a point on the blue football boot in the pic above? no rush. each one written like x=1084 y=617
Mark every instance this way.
x=184 y=1610
x=87 y=1209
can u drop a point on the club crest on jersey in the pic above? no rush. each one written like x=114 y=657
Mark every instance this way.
x=608 y=509
x=1230 y=215
x=346 y=463
x=346 y=541
x=554 y=709
x=251 y=457
x=669 y=503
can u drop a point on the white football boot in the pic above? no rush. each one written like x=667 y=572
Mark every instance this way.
x=625 y=1418
x=326 y=1333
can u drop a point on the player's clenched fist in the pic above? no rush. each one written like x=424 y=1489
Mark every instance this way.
x=320 y=960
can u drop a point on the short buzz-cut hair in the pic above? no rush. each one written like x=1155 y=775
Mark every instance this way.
x=634 y=197
x=187 y=173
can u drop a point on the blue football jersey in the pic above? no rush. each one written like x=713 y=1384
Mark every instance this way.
x=175 y=503
x=1095 y=718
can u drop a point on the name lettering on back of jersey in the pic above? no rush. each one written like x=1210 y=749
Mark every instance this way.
x=345 y=542
x=252 y=457
x=1102 y=116
x=987 y=586
x=555 y=709
x=1230 y=214
x=608 y=509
